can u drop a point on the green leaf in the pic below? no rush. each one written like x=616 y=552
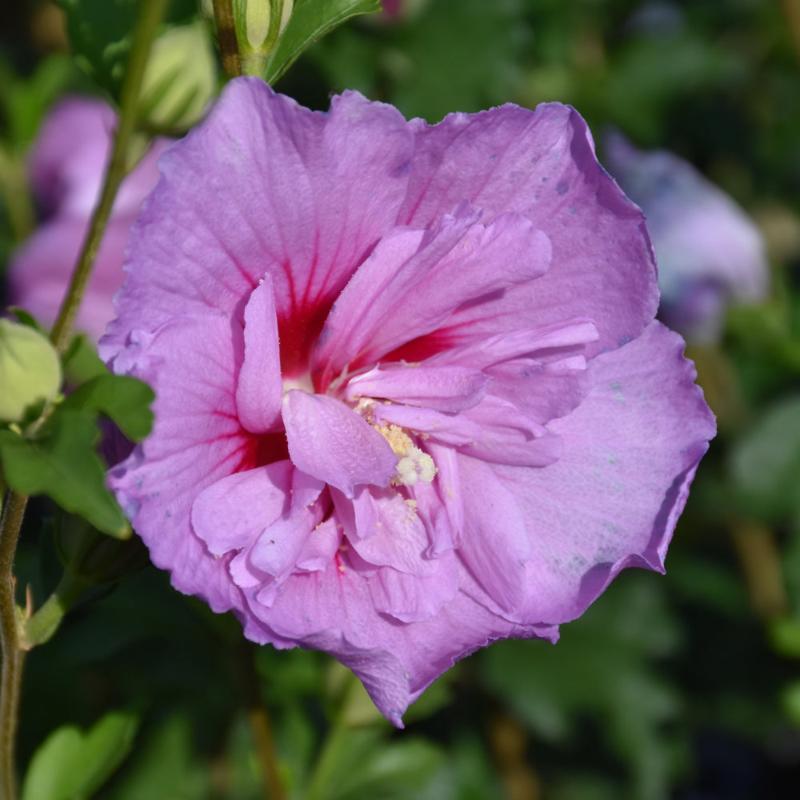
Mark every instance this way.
x=100 y=34
x=310 y=21
x=637 y=93
x=164 y=767
x=785 y=635
x=398 y=770
x=460 y=56
x=62 y=464
x=466 y=774
x=766 y=462
x=123 y=399
x=790 y=700
x=25 y=318
x=73 y=765
x=26 y=100
x=586 y=786
x=81 y=362
x=368 y=766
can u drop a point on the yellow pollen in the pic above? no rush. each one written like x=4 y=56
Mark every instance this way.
x=414 y=465
x=398 y=439
x=364 y=407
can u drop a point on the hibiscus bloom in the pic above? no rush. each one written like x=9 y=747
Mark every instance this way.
x=710 y=253
x=410 y=394
x=66 y=168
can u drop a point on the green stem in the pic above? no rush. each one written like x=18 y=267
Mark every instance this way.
x=226 y=36
x=147 y=23
x=254 y=64
x=150 y=15
x=13 y=655
x=335 y=741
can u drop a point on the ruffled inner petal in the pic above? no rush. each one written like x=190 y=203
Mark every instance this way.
x=414 y=281
x=259 y=387
x=320 y=547
x=388 y=531
x=446 y=388
x=275 y=552
x=494 y=430
x=417 y=596
x=334 y=444
x=540 y=370
x=231 y=513
x=278 y=548
x=495 y=545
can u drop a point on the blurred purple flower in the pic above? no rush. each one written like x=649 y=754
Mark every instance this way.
x=400 y=10
x=709 y=251
x=66 y=166
x=410 y=394
x=392 y=8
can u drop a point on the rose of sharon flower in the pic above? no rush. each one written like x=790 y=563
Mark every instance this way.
x=410 y=394
x=67 y=166
x=710 y=253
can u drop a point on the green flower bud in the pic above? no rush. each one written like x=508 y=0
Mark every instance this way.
x=259 y=24
x=30 y=371
x=180 y=78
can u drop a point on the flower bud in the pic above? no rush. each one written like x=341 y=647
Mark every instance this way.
x=30 y=371
x=259 y=23
x=180 y=79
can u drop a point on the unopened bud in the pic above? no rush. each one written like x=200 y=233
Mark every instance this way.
x=180 y=79
x=30 y=371
x=259 y=24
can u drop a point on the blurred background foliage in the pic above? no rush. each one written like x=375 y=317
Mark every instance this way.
x=685 y=686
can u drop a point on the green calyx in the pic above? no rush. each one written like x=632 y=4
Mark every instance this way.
x=259 y=24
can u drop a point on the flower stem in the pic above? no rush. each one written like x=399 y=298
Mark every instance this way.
x=147 y=23
x=12 y=654
x=226 y=36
